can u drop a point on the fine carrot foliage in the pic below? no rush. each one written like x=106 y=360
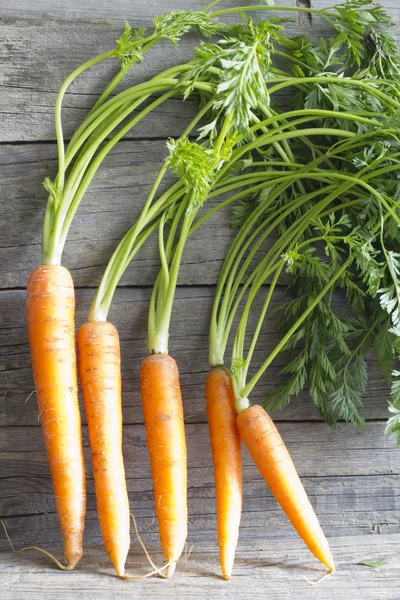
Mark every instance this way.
x=313 y=219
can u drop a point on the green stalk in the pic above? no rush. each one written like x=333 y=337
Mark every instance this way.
x=122 y=255
x=160 y=319
x=166 y=77
x=57 y=115
x=246 y=390
x=52 y=253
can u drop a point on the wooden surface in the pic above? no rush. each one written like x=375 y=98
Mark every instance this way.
x=352 y=477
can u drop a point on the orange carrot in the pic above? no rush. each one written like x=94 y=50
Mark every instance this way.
x=100 y=374
x=269 y=453
x=51 y=330
x=165 y=433
x=226 y=449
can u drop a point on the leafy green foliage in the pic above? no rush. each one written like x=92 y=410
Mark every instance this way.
x=373 y=563
x=330 y=350
x=393 y=424
x=129 y=46
x=240 y=65
x=172 y=26
x=193 y=164
x=175 y=24
x=352 y=19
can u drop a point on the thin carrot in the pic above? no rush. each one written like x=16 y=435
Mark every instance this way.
x=100 y=374
x=51 y=330
x=270 y=455
x=227 y=458
x=165 y=434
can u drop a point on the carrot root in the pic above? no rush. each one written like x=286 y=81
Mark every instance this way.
x=270 y=455
x=165 y=434
x=38 y=549
x=100 y=374
x=227 y=458
x=51 y=331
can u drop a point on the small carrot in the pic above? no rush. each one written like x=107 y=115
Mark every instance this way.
x=165 y=434
x=226 y=449
x=100 y=374
x=51 y=330
x=270 y=455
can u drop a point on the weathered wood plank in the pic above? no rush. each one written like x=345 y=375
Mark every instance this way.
x=344 y=508
x=113 y=201
x=29 y=81
x=276 y=570
x=140 y=13
x=188 y=344
x=352 y=479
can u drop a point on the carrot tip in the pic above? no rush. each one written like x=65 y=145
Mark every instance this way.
x=171 y=569
x=226 y=576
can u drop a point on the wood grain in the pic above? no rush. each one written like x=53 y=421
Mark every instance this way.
x=188 y=344
x=275 y=571
x=352 y=495
x=113 y=201
x=71 y=35
x=352 y=476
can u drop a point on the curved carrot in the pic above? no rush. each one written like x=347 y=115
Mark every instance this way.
x=269 y=453
x=100 y=374
x=226 y=449
x=51 y=330
x=165 y=433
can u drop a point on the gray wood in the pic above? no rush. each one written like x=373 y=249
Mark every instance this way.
x=352 y=476
x=188 y=344
x=29 y=82
x=352 y=495
x=113 y=201
x=262 y=570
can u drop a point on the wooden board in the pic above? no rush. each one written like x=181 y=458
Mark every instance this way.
x=352 y=476
x=275 y=572
x=188 y=344
x=351 y=495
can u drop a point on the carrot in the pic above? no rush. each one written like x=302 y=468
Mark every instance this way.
x=227 y=458
x=51 y=330
x=100 y=374
x=270 y=455
x=165 y=434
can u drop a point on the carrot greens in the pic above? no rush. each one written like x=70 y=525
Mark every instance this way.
x=78 y=163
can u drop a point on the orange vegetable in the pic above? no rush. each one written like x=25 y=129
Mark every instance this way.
x=226 y=448
x=165 y=433
x=269 y=453
x=100 y=374
x=51 y=330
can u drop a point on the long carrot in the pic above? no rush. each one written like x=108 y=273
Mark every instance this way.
x=165 y=434
x=100 y=374
x=227 y=458
x=51 y=330
x=270 y=455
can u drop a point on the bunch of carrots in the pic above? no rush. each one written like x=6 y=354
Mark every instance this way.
x=319 y=176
